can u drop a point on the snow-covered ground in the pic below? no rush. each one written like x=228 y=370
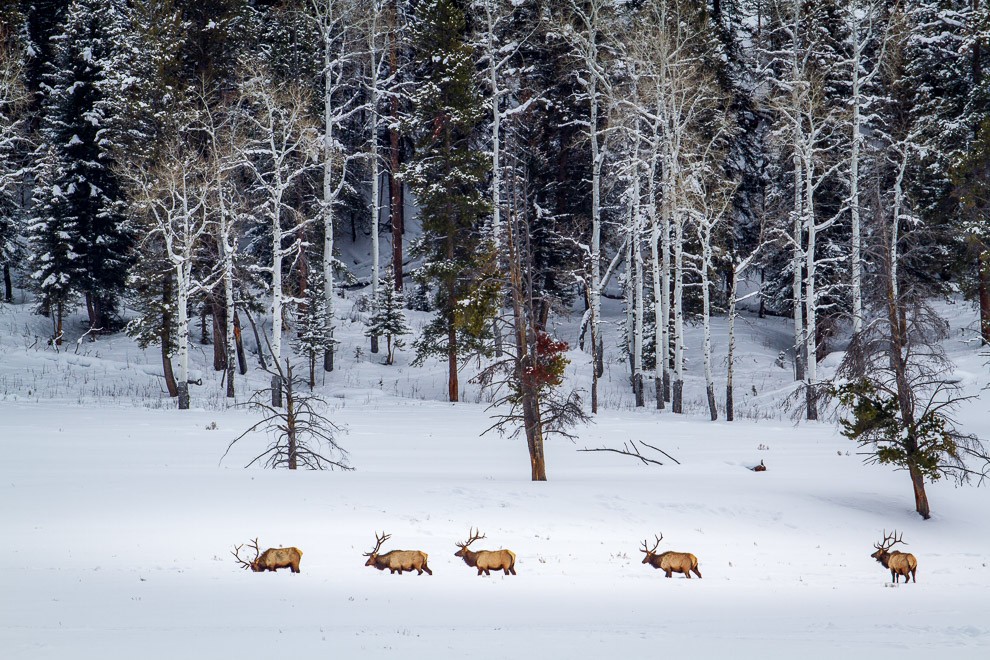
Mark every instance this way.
x=117 y=519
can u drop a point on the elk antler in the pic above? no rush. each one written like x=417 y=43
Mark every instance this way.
x=472 y=537
x=646 y=544
x=889 y=541
x=237 y=550
x=378 y=543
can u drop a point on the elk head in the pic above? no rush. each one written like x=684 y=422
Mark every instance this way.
x=253 y=564
x=651 y=554
x=373 y=555
x=883 y=547
x=472 y=537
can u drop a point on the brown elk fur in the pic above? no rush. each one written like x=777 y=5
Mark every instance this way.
x=397 y=561
x=273 y=559
x=486 y=560
x=671 y=562
x=899 y=563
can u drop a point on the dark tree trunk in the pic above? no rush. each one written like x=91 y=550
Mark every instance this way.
x=290 y=414
x=396 y=198
x=374 y=343
x=811 y=403
x=219 y=335
x=204 y=335
x=638 y=390
x=452 y=386
x=983 y=264
x=8 y=285
x=730 y=413
x=276 y=392
x=239 y=343
x=166 y=340
x=920 y=497
x=712 y=408
x=677 y=405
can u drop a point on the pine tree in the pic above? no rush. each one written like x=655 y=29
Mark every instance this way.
x=388 y=320
x=53 y=261
x=14 y=143
x=80 y=109
x=314 y=326
x=448 y=177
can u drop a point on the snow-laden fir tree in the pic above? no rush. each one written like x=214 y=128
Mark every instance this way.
x=388 y=320
x=53 y=261
x=14 y=101
x=314 y=325
x=448 y=176
x=78 y=127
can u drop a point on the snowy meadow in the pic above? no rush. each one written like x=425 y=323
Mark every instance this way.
x=119 y=518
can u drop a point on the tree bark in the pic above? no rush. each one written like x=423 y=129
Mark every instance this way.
x=452 y=386
x=396 y=202
x=920 y=497
x=983 y=265
x=238 y=342
x=166 y=339
x=8 y=286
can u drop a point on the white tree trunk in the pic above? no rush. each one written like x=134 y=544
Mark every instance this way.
x=659 y=334
x=811 y=292
x=328 y=20
x=705 y=237
x=855 y=258
x=678 y=246
x=373 y=124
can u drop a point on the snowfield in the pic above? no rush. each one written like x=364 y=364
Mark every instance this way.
x=118 y=518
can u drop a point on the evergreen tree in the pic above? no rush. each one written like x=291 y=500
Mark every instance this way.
x=314 y=325
x=388 y=320
x=448 y=176
x=80 y=107
x=54 y=263
x=13 y=144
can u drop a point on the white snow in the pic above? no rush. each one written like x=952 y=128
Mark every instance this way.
x=117 y=518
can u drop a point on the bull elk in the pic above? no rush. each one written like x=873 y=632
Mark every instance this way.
x=486 y=560
x=396 y=561
x=899 y=563
x=271 y=559
x=670 y=562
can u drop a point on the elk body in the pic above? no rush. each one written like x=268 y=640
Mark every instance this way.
x=486 y=560
x=899 y=563
x=271 y=559
x=397 y=561
x=670 y=562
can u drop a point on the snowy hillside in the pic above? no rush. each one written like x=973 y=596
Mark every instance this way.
x=118 y=519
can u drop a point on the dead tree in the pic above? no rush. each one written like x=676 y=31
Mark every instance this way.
x=300 y=434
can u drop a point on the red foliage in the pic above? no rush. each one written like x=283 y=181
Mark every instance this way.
x=550 y=363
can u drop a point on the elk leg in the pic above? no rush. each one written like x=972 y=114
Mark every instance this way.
x=687 y=573
x=427 y=569
x=481 y=571
x=667 y=574
x=512 y=570
x=696 y=571
x=914 y=574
